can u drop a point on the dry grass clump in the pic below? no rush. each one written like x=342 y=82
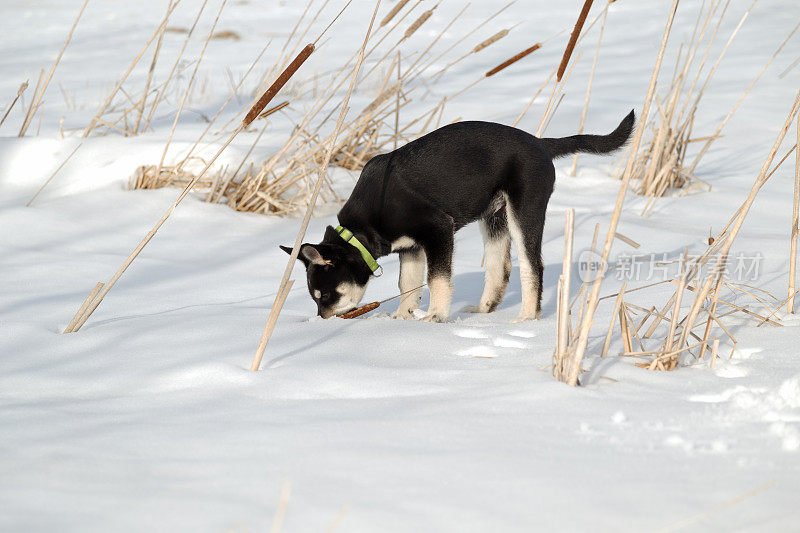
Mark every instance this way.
x=660 y=165
x=686 y=333
x=668 y=162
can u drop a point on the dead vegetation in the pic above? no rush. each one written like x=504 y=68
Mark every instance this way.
x=394 y=76
x=667 y=163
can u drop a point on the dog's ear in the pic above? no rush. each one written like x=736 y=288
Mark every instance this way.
x=331 y=235
x=308 y=255
x=311 y=256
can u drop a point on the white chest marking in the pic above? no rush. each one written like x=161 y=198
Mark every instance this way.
x=402 y=243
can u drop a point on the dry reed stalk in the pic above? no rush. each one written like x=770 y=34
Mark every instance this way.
x=714 y=352
x=22 y=87
x=743 y=210
x=533 y=98
x=85 y=305
x=124 y=77
x=99 y=298
x=722 y=124
x=53 y=175
x=32 y=110
x=280 y=511
x=558 y=87
x=617 y=308
x=676 y=309
x=565 y=280
x=160 y=93
x=795 y=225
x=276 y=308
x=625 y=330
x=777 y=308
x=573 y=39
x=261 y=86
x=712 y=310
x=39 y=93
x=189 y=87
x=150 y=72
x=588 y=319
x=583 y=293
x=582 y=122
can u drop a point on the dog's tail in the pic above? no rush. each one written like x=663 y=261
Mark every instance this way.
x=594 y=144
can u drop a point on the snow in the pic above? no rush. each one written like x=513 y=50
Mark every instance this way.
x=148 y=419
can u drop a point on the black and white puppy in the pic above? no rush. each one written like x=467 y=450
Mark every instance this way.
x=413 y=200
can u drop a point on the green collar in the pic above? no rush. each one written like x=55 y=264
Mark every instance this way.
x=348 y=236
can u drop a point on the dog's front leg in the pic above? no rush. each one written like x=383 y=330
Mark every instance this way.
x=412 y=274
x=439 y=251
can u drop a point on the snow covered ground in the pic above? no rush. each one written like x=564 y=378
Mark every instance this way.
x=148 y=419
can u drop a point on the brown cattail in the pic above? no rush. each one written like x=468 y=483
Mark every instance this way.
x=513 y=59
x=490 y=41
x=363 y=310
x=417 y=23
x=273 y=89
x=576 y=31
x=395 y=10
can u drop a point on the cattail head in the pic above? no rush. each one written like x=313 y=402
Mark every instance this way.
x=417 y=23
x=490 y=41
x=363 y=310
x=576 y=31
x=394 y=11
x=273 y=89
x=513 y=59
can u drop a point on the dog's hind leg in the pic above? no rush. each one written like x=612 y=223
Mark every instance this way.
x=526 y=214
x=412 y=274
x=497 y=260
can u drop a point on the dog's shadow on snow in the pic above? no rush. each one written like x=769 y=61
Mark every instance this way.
x=306 y=347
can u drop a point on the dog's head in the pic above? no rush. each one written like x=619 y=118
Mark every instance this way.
x=336 y=273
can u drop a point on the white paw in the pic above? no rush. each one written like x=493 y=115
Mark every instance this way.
x=404 y=314
x=434 y=317
x=475 y=309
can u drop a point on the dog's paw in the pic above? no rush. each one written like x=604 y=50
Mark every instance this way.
x=434 y=317
x=403 y=314
x=526 y=318
x=475 y=309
